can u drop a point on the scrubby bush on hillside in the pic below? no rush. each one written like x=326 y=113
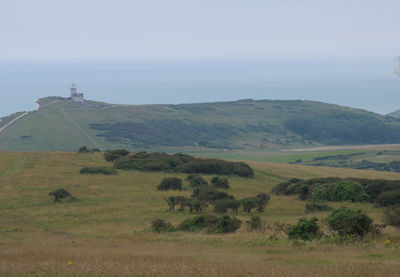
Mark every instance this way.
x=222 y=207
x=220 y=182
x=183 y=164
x=198 y=181
x=172 y=201
x=210 y=194
x=60 y=194
x=112 y=155
x=161 y=226
x=304 y=229
x=344 y=191
x=349 y=222
x=171 y=183
x=259 y=202
x=212 y=224
x=98 y=170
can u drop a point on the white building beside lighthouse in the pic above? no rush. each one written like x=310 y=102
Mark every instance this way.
x=75 y=96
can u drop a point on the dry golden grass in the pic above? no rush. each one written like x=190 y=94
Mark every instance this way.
x=107 y=232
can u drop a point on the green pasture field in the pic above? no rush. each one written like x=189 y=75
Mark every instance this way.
x=107 y=231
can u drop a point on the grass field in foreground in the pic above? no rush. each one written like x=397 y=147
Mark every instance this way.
x=107 y=232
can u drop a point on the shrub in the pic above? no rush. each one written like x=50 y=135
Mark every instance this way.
x=112 y=155
x=198 y=181
x=249 y=204
x=161 y=226
x=210 y=194
x=304 y=229
x=172 y=201
x=255 y=223
x=172 y=183
x=317 y=207
x=61 y=194
x=222 y=207
x=348 y=222
x=392 y=215
x=98 y=170
x=349 y=191
x=389 y=198
x=226 y=224
x=263 y=199
x=198 y=223
x=220 y=182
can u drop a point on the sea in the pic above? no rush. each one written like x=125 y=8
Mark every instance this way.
x=369 y=84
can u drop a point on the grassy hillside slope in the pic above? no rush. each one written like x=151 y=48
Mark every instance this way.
x=107 y=232
x=246 y=124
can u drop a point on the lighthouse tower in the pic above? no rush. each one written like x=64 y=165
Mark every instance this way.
x=75 y=96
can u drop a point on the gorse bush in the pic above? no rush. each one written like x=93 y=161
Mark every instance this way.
x=304 y=229
x=212 y=224
x=98 y=170
x=112 y=155
x=349 y=222
x=60 y=194
x=220 y=182
x=198 y=181
x=344 y=191
x=182 y=163
x=161 y=226
x=171 y=183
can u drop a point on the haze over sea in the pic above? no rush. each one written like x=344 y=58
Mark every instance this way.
x=367 y=84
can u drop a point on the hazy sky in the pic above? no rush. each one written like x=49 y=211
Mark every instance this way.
x=198 y=28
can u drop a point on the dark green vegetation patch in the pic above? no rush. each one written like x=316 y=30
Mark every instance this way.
x=181 y=163
x=98 y=170
x=383 y=192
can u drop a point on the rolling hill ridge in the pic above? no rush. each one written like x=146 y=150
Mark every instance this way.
x=61 y=124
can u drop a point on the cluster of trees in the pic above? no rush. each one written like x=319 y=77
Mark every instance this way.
x=180 y=163
x=382 y=192
x=205 y=194
x=346 y=222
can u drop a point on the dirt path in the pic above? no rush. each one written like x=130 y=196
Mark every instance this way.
x=12 y=121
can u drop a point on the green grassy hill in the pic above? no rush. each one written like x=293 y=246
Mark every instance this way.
x=395 y=114
x=106 y=232
x=60 y=124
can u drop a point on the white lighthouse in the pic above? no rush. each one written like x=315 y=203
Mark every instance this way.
x=75 y=96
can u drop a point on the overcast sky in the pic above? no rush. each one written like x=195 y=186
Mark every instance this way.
x=198 y=28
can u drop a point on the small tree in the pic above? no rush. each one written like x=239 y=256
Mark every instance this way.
x=249 y=204
x=198 y=181
x=305 y=229
x=222 y=206
x=220 y=182
x=61 y=194
x=161 y=226
x=172 y=183
x=172 y=201
x=263 y=199
x=83 y=149
x=348 y=222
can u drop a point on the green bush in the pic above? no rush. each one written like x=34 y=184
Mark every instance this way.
x=388 y=198
x=98 y=170
x=226 y=224
x=198 y=223
x=112 y=155
x=304 y=229
x=60 y=194
x=171 y=183
x=198 y=181
x=317 y=207
x=249 y=204
x=172 y=201
x=210 y=194
x=220 y=182
x=349 y=222
x=222 y=207
x=392 y=215
x=161 y=226
x=344 y=191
